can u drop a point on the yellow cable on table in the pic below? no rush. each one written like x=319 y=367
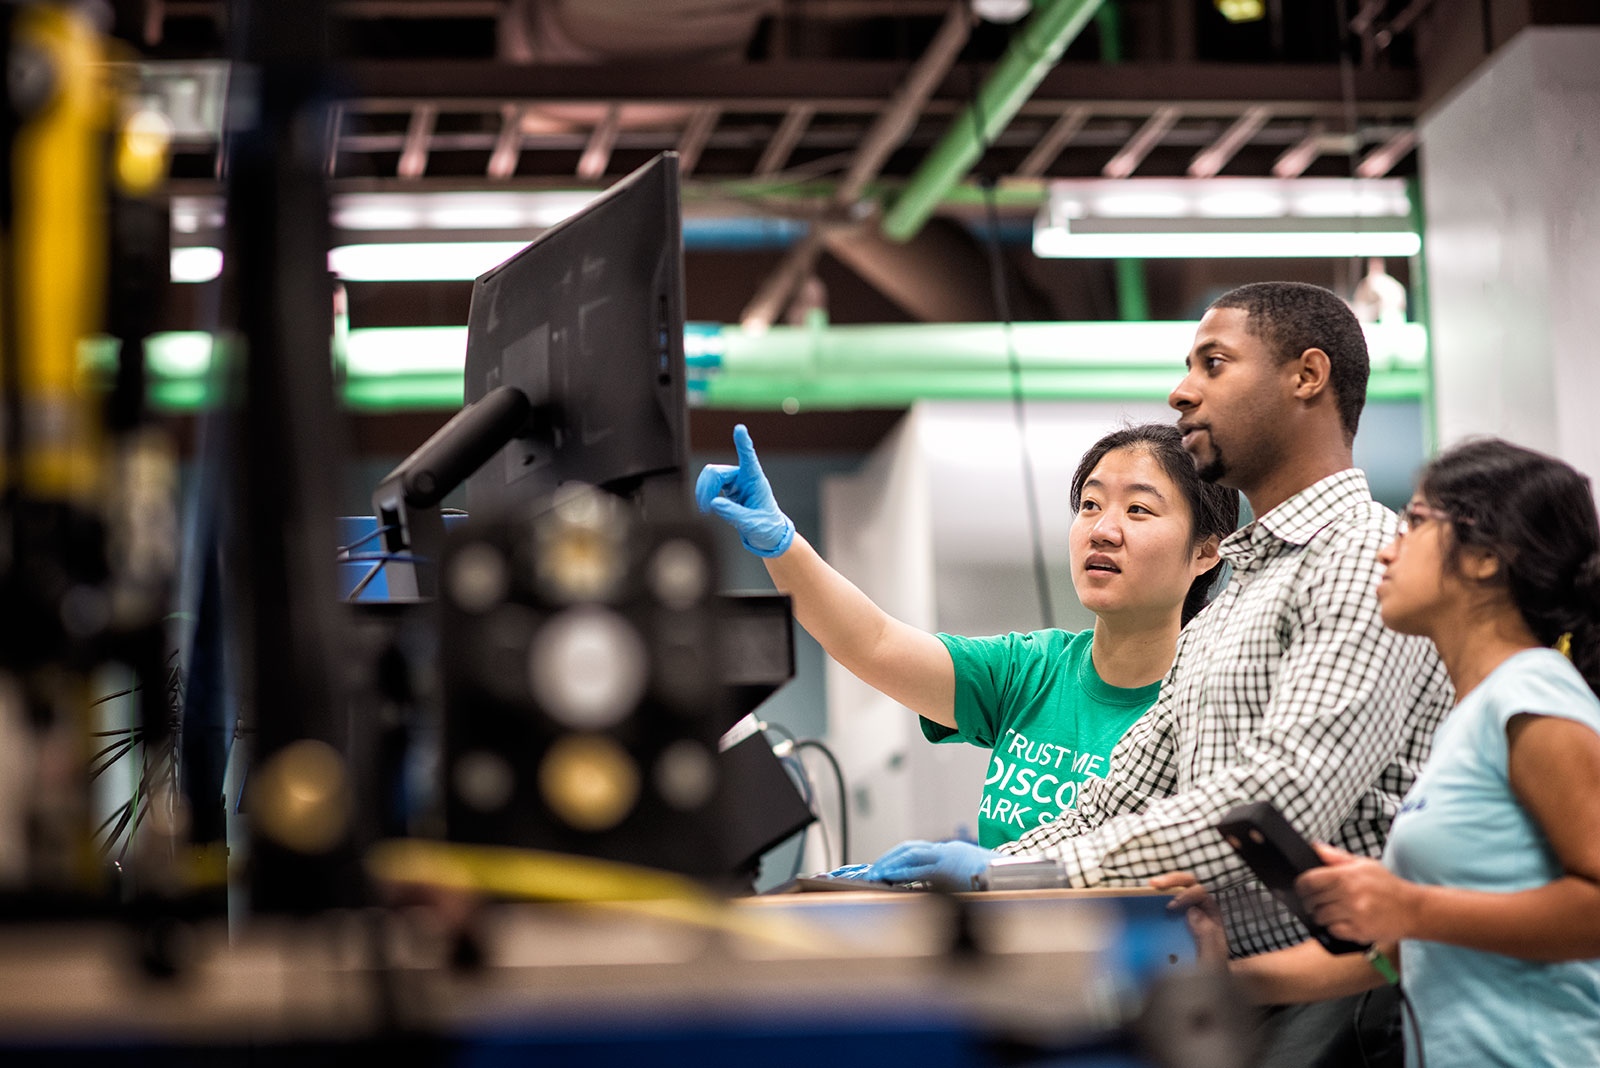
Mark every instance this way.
x=535 y=875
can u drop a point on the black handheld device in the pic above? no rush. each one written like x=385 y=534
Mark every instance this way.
x=1277 y=854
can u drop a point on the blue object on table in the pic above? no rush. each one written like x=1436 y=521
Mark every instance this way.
x=849 y=871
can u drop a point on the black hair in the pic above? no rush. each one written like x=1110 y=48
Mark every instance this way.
x=1537 y=515
x=1292 y=317
x=1213 y=510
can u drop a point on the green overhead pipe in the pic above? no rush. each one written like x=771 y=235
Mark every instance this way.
x=810 y=367
x=1033 y=51
x=801 y=367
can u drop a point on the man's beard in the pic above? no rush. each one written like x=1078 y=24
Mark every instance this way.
x=1213 y=469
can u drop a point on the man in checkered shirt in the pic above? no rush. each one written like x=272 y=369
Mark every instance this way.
x=1288 y=688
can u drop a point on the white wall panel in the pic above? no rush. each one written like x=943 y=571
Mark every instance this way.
x=1511 y=190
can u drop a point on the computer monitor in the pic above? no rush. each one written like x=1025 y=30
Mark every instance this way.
x=587 y=322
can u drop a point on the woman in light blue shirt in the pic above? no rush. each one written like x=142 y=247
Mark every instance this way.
x=1490 y=883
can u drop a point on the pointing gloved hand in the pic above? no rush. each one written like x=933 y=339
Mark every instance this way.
x=742 y=496
x=943 y=865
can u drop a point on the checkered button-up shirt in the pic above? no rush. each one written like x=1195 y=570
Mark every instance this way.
x=1287 y=689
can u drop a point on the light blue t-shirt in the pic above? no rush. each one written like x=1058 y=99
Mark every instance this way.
x=1461 y=826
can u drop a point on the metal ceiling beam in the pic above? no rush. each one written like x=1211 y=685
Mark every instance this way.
x=335 y=125
x=1033 y=50
x=941 y=275
x=1381 y=160
x=900 y=117
x=1128 y=158
x=784 y=140
x=892 y=126
x=414 y=155
x=695 y=136
x=1294 y=161
x=1209 y=161
x=866 y=85
x=597 y=154
x=748 y=138
x=1060 y=134
x=507 y=143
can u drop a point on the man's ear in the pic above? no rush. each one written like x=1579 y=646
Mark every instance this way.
x=1312 y=374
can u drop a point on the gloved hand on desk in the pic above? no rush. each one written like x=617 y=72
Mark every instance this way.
x=943 y=865
x=742 y=496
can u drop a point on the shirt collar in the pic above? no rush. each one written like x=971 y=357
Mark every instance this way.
x=1297 y=520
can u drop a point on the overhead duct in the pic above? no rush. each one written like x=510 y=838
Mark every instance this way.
x=595 y=31
x=578 y=32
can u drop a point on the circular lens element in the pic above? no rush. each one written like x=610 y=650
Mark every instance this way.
x=580 y=564
x=301 y=797
x=589 y=782
x=478 y=578
x=685 y=776
x=580 y=505
x=679 y=574
x=484 y=780
x=588 y=667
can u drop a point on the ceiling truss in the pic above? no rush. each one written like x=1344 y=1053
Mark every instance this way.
x=471 y=125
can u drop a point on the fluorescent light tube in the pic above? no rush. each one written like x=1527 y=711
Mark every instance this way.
x=420 y=261
x=1058 y=242
x=195 y=264
x=396 y=262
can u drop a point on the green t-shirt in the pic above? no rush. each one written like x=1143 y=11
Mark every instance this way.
x=1036 y=701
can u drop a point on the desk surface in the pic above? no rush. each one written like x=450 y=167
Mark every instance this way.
x=1097 y=893
x=827 y=955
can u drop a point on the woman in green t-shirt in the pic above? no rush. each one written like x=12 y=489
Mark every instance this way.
x=1050 y=705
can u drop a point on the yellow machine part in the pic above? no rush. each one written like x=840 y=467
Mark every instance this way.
x=60 y=172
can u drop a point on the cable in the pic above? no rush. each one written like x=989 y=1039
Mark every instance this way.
x=116 y=744
x=788 y=753
x=126 y=842
x=396 y=558
x=1410 y=1012
x=797 y=772
x=123 y=750
x=366 y=580
x=844 y=796
x=111 y=840
x=365 y=538
x=781 y=731
x=827 y=843
x=114 y=814
x=1002 y=307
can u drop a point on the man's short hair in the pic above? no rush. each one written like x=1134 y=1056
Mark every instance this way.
x=1292 y=317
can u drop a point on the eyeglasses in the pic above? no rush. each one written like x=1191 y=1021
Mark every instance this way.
x=1414 y=515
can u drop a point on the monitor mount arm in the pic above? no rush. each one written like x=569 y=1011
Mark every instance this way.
x=406 y=502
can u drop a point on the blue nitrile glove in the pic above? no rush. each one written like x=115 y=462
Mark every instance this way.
x=742 y=496
x=944 y=865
